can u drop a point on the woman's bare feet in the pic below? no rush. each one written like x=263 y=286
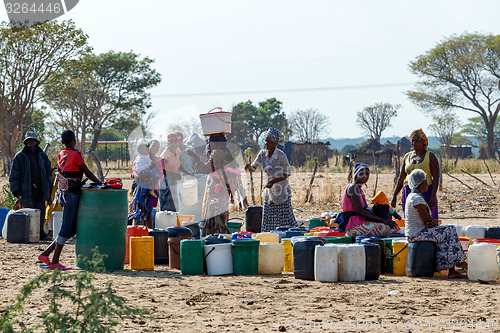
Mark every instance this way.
x=453 y=274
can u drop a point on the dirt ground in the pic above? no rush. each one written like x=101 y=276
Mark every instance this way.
x=266 y=303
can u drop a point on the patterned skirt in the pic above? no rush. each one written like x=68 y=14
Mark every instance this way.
x=449 y=252
x=277 y=215
x=371 y=229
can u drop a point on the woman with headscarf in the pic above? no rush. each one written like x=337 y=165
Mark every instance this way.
x=362 y=221
x=420 y=226
x=419 y=158
x=222 y=171
x=278 y=210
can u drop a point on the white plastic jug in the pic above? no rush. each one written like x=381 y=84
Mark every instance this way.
x=267 y=237
x=460 y=229
x=475 y=231
x=34 y=215
x=57 y=218
x=352 y=262
x=165 y=219
x=326 y=263
x=188 y=190
x=219 y=259
x=271 y=258
x=482 y=262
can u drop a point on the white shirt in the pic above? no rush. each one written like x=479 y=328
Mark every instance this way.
x=413 y=222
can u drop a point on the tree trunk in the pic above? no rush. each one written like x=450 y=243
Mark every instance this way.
x=491 y=140
x=91 y=150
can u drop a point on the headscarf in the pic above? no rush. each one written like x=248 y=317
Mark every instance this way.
x=416 y=178
x=214 y=138
x=358 y=168
x=273 y=134
x=422 y=136
x=173 y=139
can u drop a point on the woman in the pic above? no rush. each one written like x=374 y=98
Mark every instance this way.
x=419 y=158
x=222 y=171
x=363 y=222
x=420 y=226
x=278 y=210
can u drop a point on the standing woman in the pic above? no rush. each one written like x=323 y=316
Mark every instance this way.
x=278 y=210
x=419 y=158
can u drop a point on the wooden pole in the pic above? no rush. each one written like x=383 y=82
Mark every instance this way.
x=461 y=182
x=479 y=180
x=308 y=193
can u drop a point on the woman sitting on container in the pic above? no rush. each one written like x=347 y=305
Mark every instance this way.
x=363 y=222
x=420 y=226
x=419 y=158
x=278 y=210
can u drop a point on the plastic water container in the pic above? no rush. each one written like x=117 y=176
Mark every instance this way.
x=421 y=259
x=293 y=233
x=188 y=190
x=280 y=234
x=326 y=263
x=161 y=245
x=271 y=258
x=165 y=219
x=245 y=256
x=373 y=258
x=219 y=259
x=134 y=231
x=253 y=218
x=34 y=215
x=460 y=229
x=57 y=219
x=192 y=256
x=288 y=254
x=400 y=252
x=142 y=257
x=303 y=256
x=483 y=263
x=493 y=233
x=495 y=242
x=352 y=262
x=475 y=231
x=17 y=227
x=380 y=242
x=267 y=237
x=465 y=242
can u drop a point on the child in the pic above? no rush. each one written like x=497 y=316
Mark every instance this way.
x=71 y=167
x=144 y=171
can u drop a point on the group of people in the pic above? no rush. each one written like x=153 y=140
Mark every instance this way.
x=419 y=179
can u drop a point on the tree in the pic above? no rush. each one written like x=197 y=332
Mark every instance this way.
x=241 y=132
x=377 y=118
x=475 y=127
x=93 y=92
x=444 y=126
x=308 y=125
x=28 y=57
x=462 y=73
x=186 y=127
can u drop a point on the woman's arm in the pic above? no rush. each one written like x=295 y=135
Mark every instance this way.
x=399 y=186
x=434 y=164
x=353 y=194
x=424 y=215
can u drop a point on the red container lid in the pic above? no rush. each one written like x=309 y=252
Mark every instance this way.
x=321 y=228
x=487 y=240
x=332 y=233
x=243 y=233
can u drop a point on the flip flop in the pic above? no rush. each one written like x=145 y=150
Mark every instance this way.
x=59 y=266
x=44 y=266
x=44 y=259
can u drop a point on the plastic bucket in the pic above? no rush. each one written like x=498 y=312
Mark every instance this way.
x=192 y=256
x=142 y=257
x=174 y=251
x=188 y=191
x=245 y=256
x=219 y=259
x=184 y=218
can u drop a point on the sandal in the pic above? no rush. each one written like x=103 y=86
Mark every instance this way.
x=44 y=259
x=59 y=266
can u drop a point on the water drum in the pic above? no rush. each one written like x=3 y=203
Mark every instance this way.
x=188 y=191
x=460 y=229
x=421 y=259
x=303 y=256
x=219 y=259
x=174 y=250
x=3 y=216
x=482 y=262
x=326 y=263
x=373 y=258
x=352 y=262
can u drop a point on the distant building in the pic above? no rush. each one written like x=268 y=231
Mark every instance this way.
x=298 y=152
x=454 y=151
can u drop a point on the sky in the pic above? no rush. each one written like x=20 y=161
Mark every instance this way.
x=334 y=56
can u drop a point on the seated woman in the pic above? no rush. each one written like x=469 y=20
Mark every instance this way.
x=364 y=222
x=420 y=226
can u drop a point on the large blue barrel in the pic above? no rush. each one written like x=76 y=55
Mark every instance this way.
x=421 y=259
x=303 y=257
x=102 y=221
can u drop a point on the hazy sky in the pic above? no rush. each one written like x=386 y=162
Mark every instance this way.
x=336 y=56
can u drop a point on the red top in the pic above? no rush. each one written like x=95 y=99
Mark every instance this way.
x=69 y=163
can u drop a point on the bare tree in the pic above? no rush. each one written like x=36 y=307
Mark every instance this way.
x=308 y=125
x=444 y=127
x=377 y=118
x=187 y=127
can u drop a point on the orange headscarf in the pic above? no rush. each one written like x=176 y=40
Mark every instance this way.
x=422 y=137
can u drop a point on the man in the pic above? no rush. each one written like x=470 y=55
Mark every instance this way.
x=30 y=178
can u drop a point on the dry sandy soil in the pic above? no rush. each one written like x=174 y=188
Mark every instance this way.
x=260 y=303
